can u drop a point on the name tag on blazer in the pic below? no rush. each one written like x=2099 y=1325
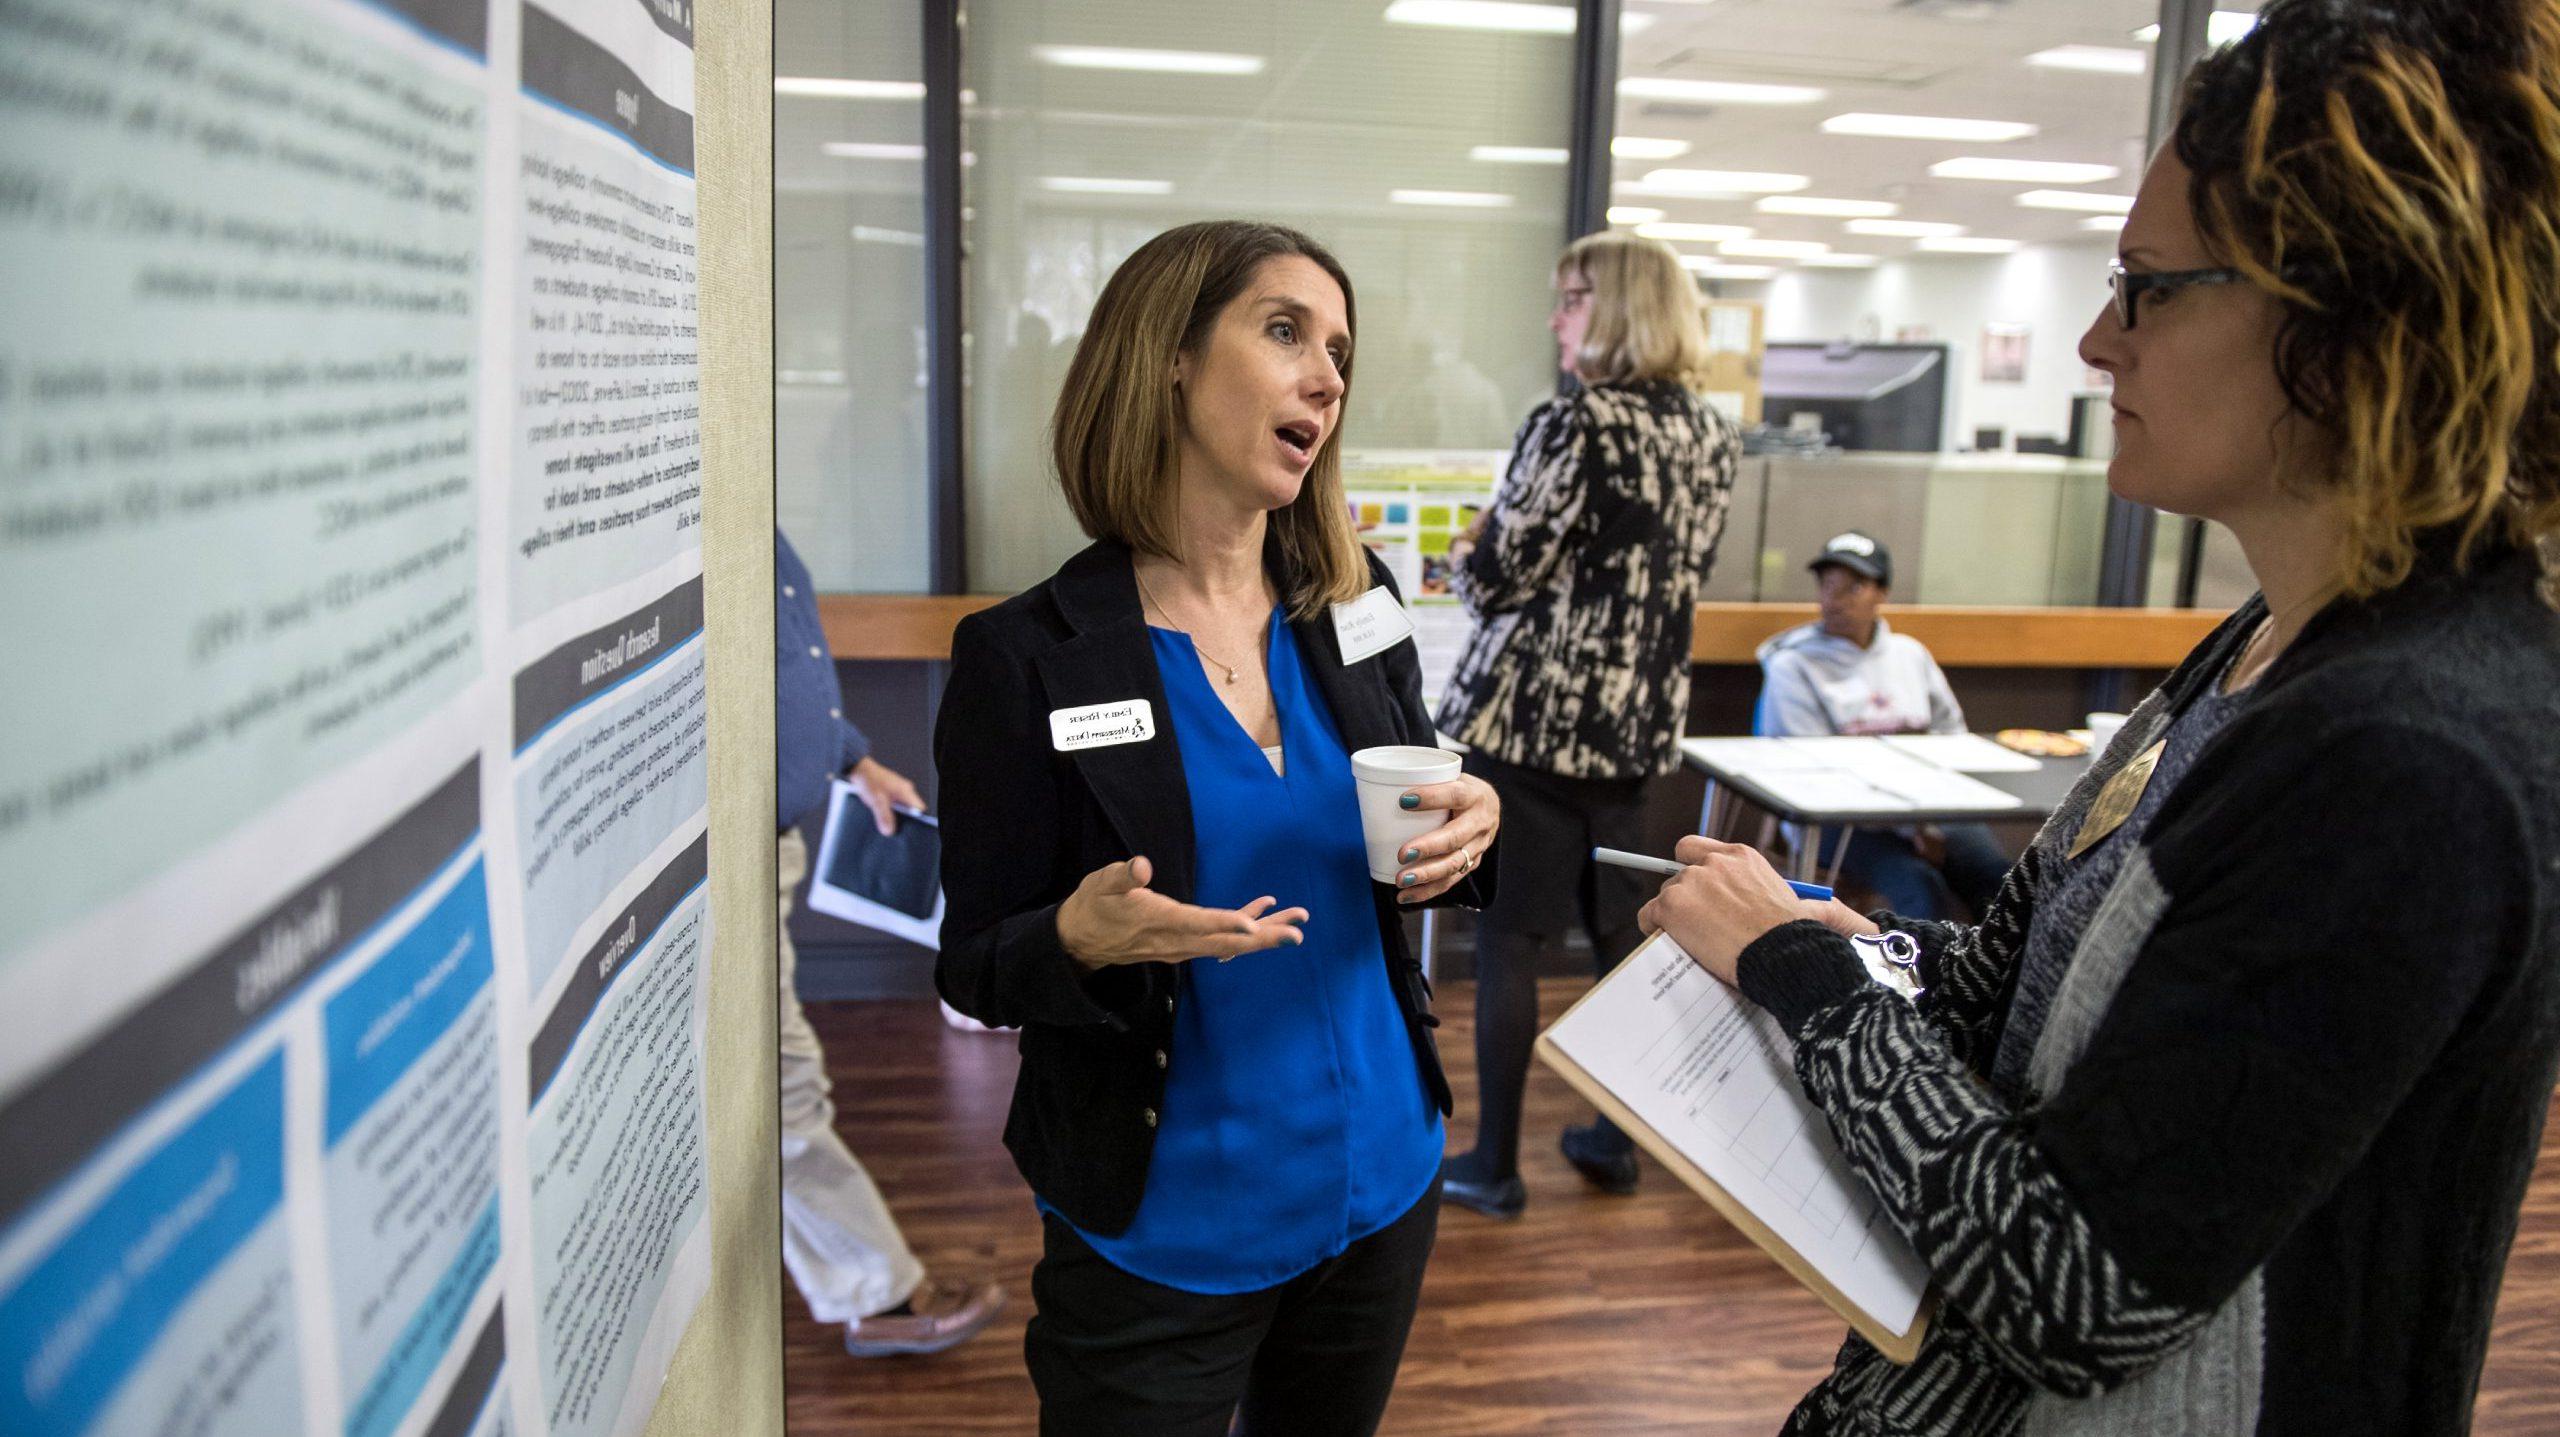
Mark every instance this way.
x=1370 y=625
x=1102 y=725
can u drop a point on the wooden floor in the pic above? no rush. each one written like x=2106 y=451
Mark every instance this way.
x=1590 y=1315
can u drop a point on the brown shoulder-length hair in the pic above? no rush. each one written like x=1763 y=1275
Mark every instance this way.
x=2391 y=174
x=1645 y=320
x=1114 y=433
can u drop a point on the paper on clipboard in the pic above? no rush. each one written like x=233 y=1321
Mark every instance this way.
x=845 y=808
x=1704 y=1079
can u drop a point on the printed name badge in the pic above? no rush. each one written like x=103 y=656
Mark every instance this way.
x=1370 y=625
x=1102 y=725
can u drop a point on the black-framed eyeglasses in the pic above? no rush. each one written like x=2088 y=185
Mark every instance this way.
x=2129 y=286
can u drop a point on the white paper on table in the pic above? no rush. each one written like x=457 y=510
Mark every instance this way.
x=1936 y=790
x=1914 y=783
x=845 y=806
x=1750 y=755
x=1962 y=753
x=1711 y=1073
x=1818 y=791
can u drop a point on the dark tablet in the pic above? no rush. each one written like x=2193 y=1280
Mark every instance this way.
x=902 y=871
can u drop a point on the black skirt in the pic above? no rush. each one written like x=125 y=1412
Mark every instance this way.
x=1546 y=881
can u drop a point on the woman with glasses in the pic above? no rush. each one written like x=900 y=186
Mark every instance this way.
x=2220 y=1120
x=1583 y=578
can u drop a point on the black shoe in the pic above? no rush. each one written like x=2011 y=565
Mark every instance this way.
x=1609 y=1167
x=1502 y=1198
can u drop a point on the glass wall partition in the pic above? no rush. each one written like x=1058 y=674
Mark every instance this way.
x=1890 y=181
x=850 y=478
x=1429 y=155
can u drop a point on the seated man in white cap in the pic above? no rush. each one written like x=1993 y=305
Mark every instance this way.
x=1850 y=673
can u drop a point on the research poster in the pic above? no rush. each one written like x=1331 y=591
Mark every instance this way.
x=353 y=767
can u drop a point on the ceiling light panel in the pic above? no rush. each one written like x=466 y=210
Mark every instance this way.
x=1723 y=182
x=1828 y=209
x=1842 y=261
x=2107 y=223
x=1483 y=15
x=2092 y=59
x=1517 y=155
x=1454 y=199
x=1633 y=215
x=858 y=150
x=1162 y=62
x=1903 y=229
x=1773 y=248
x=2082 y=201
x=1718 y=269
x=2022 y=172
x=1695 y=234
x=1100 y=185
x=1928 y=127
x=2225 y=28
x=1716 y=92
x=1638 y=147
x=820 y=88
x=1968 y=244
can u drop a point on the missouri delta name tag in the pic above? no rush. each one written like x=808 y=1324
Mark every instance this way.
x=1102 y=725
x=2115 y=802
x=1370 y=625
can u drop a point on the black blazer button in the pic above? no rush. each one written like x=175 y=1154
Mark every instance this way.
x=1159 y=1058
x=1151 y=1117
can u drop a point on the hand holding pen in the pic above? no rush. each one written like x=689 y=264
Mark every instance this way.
x=1719 y=897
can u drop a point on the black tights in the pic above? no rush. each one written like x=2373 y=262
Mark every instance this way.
x=1506 y=1031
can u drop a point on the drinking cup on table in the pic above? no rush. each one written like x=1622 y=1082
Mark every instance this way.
x=2102 y=730
x=1382 y=776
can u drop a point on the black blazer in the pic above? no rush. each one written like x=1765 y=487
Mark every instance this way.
x=1022 y=824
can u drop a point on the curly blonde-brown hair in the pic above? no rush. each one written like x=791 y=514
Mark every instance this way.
x=2391 y=173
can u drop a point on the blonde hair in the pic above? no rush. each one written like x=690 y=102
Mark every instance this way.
x=1645 y=321
x=1114 y=433
x=2393 y=179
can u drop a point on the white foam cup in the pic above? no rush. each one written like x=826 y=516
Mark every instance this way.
x=1382 y=776
x=2102 y=730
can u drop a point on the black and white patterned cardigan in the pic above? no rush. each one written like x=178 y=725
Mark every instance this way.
x=2283 y=1109
x=1585 y=583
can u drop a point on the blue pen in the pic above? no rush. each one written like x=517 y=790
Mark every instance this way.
x=1645 y=863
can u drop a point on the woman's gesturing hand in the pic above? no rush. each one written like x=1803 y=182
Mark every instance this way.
x=1113 y=917
x=1433 y=863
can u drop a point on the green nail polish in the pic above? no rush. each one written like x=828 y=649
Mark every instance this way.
x=1411 y=854
x=1411 y=800
x=1407 y=880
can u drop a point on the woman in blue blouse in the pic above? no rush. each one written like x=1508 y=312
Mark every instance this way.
x=1145 y=775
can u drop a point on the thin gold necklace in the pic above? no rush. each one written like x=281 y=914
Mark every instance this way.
x=1186 y=633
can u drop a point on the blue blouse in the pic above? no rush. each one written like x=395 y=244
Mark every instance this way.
x=1294 y=1120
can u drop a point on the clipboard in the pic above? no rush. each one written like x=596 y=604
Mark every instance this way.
x=1900 y=1347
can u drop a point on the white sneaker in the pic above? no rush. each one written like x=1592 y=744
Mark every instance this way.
x=965 y=1023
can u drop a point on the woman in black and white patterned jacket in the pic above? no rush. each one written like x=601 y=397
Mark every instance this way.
x=2220 y=1121
x=1583 y=579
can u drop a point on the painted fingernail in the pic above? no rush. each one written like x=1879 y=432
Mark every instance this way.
x=1411 y=854
x=1408 y=880
x=1411 y=800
